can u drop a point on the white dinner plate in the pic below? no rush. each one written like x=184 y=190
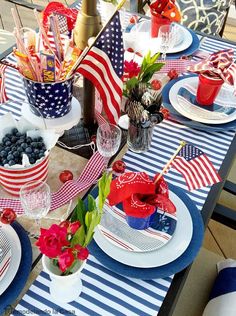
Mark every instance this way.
x=225 y=95
x=16 y=253
x=139 y=39
x=5 y=254
x=168 y=253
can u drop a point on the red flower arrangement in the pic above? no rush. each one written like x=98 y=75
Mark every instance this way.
x=65 y=244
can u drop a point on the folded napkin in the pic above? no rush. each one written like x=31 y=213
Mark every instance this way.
x=222 y=300
x=187 y=96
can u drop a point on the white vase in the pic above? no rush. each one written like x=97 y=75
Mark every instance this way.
x=63 y=288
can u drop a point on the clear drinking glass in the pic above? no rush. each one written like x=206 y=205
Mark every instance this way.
x=167 y=37
x=35 y=197
x=108 y=139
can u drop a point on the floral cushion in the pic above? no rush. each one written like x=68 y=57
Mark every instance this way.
x=204 y=15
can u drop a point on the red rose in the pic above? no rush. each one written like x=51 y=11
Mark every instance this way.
x=66 y=259
x=82 y=253
x=7 y=216
x=131 y=68
x=52 y=241
x=74 y=227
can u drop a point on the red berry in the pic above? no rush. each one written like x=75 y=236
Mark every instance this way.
x=156 y=84
x=165 y=113
x=65 y=176
x=133 y=19
x=172 y=74
x=130 y=49
x=119 y=166
x=139 y=54
x=8 y=215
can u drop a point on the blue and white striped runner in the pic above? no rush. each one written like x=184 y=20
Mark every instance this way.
x=105 y=292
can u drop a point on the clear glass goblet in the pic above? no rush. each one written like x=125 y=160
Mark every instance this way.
x=167 y=36
x=35 y=197
x=108 y=139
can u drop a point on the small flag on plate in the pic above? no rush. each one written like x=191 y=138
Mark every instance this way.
x=103 y=66
x=196 y=167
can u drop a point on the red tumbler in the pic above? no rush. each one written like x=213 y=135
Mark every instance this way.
x=156 y=21
x=208 y=89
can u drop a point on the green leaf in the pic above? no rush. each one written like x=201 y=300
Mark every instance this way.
x=88 y=219
x=91 y=203
x=131 y=83
x=79 y=237
x=150 y=71
x=104 y=189
x=95 y=220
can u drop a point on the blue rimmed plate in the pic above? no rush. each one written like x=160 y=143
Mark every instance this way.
x=186 y=121
x=172 y=266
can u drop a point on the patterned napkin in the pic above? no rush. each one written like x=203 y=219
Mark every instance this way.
x=5 y=254
x=219 y=109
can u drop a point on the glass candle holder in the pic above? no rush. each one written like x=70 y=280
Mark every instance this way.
x=139 y=137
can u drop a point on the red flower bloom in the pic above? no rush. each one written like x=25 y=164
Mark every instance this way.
x=7 y=216
x=131 y=68
x=74 y=227
x=66 y=259
x=52 y=240
x=82 y=253
x=65 y=224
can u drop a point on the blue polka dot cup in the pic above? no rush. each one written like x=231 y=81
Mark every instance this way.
x=49 y=100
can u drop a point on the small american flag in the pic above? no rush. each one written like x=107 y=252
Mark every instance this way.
x=103 y=66
x=196 y=168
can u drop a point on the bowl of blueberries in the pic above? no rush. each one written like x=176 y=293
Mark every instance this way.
x=24 y=156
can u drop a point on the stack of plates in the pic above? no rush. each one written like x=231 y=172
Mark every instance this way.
x=15 y=261
x=159 y=259
x=220 y=116
x=139 y=40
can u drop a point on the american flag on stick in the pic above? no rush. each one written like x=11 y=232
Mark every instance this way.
x=196 y=167
x=103 y=66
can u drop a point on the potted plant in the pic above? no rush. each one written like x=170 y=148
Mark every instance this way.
x=64 y=246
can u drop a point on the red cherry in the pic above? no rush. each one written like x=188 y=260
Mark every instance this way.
x=119 y=166
x=65 y=176
x=172 y=74
x=156 y=84
x=134 y=19
x=8 y=215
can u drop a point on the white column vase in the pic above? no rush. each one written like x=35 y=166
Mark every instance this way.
x=66 y=288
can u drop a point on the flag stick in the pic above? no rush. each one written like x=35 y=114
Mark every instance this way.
x=86 y=50
x=182 y=144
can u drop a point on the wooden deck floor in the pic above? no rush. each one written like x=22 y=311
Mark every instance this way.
x=219 y=239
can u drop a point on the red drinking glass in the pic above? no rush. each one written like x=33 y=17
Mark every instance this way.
x=208 y=89
x=156 y=21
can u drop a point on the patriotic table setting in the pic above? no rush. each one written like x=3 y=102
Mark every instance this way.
x=129 y=274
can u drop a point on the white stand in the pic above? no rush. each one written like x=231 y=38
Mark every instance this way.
x=59 y=124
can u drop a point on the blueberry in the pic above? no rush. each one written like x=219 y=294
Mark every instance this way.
x=7 y=149
x=18 y=134
x=13 y=148
x=28 y=140
x=11 y=162
x=40 y=139
x=24 y=145
x=34 y=144
x=20 y=150
x=21 y=141
x=5 y=161
x=36 y=151
x=41 y=154
x=13 y=139
x=5 y=139
x=14 y=131
x=8 y=143
x=28 y=150
x=32 y=160
x=10 y=157
x=8 y=135
x=16 y=154
x=3 y=153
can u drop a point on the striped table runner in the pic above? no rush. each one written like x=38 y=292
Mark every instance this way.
x=105 y=292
